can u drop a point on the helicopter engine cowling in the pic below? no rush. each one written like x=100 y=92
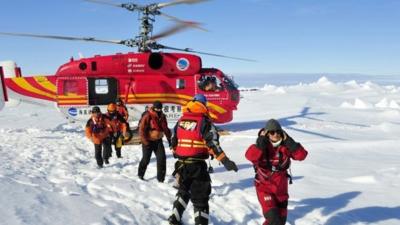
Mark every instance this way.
x=180 y=64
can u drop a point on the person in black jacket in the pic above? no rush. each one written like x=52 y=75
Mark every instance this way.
x=194 y=135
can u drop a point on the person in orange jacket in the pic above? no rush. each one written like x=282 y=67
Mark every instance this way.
x=97 y=130
x=194 y=136
x=152 y=127
x=122 y=109
x=119 y=128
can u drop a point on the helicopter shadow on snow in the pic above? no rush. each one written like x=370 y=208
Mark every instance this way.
x=286 y=122
x=370 y=214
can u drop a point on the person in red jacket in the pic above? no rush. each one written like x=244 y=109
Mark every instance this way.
x=152 y=128
x=194 y=136
x=271 y=157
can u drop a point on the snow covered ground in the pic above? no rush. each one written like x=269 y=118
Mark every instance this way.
x=351 y=129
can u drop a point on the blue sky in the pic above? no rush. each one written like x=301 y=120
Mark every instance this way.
x=285 y=36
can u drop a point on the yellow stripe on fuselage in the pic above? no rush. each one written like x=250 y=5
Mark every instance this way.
x=72 y=102
x=71 y=96
x=145 y=98
x=22 y=83
x=155 y=95
x=45 y=83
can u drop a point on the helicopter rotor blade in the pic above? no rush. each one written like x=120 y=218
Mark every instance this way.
x=90 y=39
x=176 y=2
x=159 y=46
x=182 y=25
x=177 y=20
x=129 y=6
x=104 y=2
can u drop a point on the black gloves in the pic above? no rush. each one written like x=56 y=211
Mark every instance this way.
x=262 y=142
x=229 y=165
x=169 y=143
x=289 y=142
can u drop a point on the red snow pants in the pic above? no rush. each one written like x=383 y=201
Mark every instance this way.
x=273 y=197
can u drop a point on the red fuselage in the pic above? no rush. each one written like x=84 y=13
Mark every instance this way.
x=138 y=78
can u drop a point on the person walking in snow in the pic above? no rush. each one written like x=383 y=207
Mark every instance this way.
x=194 y=134
x=119 y=128
x=97 y=130
x=152 y=127
x=271 y=157
x=121 y=108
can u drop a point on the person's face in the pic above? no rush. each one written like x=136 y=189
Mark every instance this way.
x=96 y=114
x=274 y=136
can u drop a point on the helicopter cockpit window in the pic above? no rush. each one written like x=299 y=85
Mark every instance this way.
x=70 y=87
x=101 y=86
x=230 y=84
x=210 y=83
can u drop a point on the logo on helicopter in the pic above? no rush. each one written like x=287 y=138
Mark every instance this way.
x=182 y=64
x=73 y=111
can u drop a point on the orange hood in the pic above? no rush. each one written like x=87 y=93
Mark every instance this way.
x=198 y=107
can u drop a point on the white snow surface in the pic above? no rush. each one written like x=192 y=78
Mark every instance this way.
x=351 y=130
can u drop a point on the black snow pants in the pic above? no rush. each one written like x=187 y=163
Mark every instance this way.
x=194 y=185
x=158 y=148
x=102 y=151
x=117 y=142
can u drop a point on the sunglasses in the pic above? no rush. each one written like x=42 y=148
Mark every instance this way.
x=273 y=132
x=156 y=109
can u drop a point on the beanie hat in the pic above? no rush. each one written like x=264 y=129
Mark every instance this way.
x=96 y=109
x=272 y=125
x=157 y=105
x=200 y=98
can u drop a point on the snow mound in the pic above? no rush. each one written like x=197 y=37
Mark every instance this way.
x=394 y=105
x=268 y=87
x=370 y=86
x=346 y=105
x=324 y=82
x=358 y=104
x=280 y=90
x=352 y=84
x=274 y=89
x=383 y=103
x=362 y=180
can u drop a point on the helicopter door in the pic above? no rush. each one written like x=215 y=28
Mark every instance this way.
x=102 y=91
x=211 y=86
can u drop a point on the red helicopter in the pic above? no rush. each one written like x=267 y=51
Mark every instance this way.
x=138 y=78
